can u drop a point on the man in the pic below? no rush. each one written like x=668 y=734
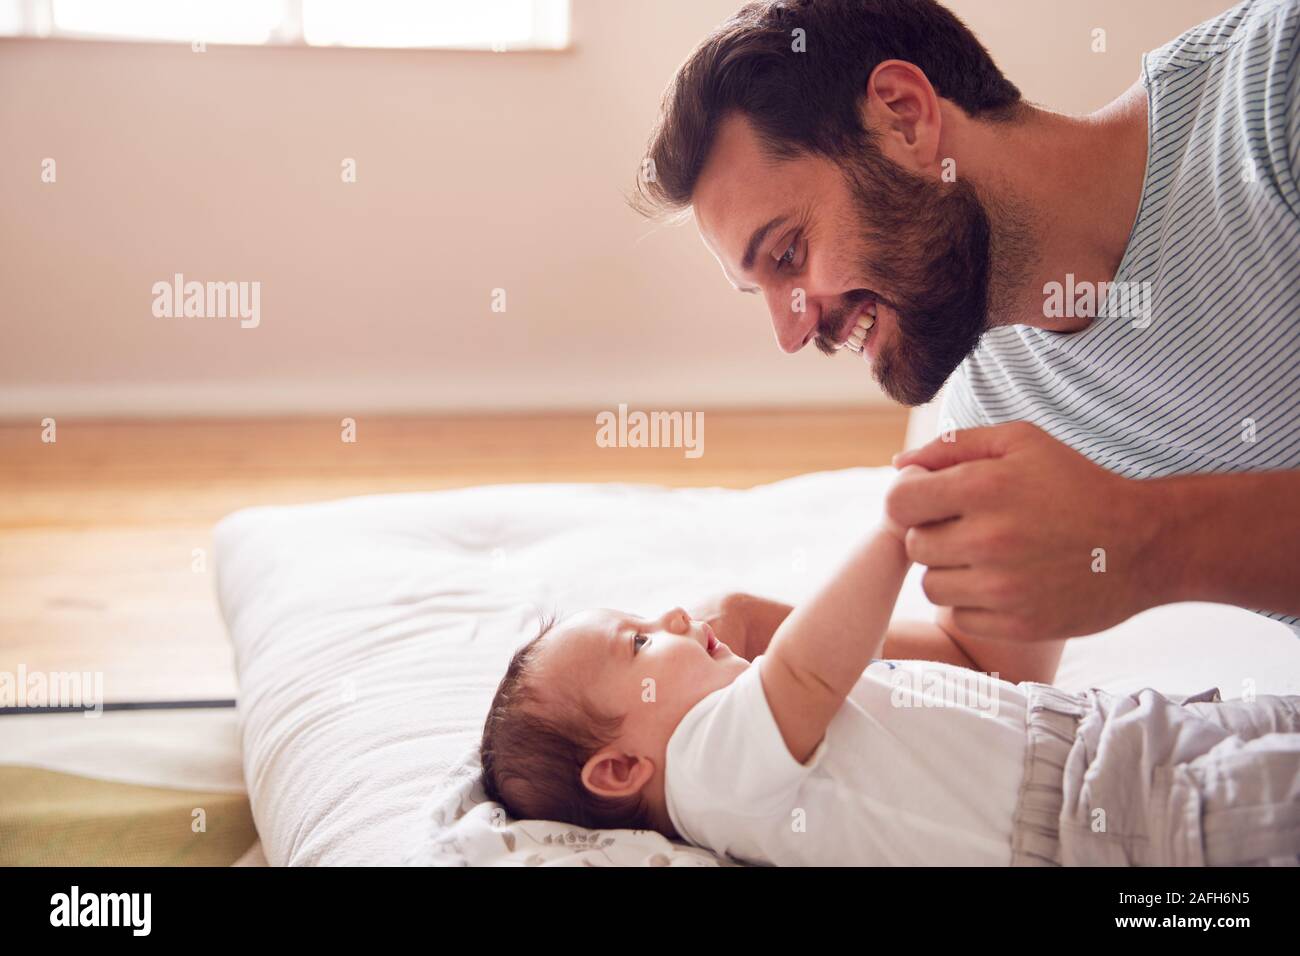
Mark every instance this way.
x=1113 y=301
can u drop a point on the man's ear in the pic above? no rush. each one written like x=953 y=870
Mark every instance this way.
x=902 y=108
x=612 y=773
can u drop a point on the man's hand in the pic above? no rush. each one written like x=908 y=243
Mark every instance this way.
x=1024 y=538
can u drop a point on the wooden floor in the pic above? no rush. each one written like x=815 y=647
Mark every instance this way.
x=105 y=545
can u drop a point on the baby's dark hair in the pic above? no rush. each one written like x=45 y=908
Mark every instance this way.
x=534 y=748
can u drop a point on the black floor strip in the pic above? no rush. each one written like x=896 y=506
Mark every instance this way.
x=121 y=705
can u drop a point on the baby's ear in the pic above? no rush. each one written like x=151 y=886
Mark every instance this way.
x=612 y=773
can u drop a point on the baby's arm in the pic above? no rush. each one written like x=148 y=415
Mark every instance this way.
x=819 y=651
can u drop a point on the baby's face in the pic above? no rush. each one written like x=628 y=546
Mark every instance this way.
x=648 y=671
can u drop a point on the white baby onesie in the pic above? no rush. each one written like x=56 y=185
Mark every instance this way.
x=921 y=766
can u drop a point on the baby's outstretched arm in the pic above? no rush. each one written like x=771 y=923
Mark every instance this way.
x=819 y=651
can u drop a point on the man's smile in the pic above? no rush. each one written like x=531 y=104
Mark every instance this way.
x=856 y=327
x=854 y=330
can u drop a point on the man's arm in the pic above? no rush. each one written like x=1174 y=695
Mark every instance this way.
x=942 y=641
x=1009 y=660
x=1028 y=540
x=1229 y=539
x=744 y=622
x=747 y=622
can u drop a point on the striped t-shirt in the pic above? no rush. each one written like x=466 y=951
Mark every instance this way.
x=1193 y=362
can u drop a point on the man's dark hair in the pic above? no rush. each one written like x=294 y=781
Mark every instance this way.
x=808 y=101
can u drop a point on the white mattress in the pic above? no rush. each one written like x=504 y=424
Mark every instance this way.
x=370 y=634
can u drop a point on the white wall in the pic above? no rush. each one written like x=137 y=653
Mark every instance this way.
x=476 y=171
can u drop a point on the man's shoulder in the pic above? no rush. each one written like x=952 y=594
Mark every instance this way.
x=997 y=366
x=1274 y=22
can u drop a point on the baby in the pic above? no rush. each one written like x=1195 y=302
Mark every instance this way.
x=800 y=748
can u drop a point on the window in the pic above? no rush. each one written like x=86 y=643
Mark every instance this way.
x=498 y=25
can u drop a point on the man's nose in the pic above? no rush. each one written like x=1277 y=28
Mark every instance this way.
x=794 y=319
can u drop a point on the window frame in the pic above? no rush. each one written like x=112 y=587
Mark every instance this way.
x=36 y=21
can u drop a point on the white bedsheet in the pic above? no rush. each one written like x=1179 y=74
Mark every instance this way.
x=175 y=749
x=371 y=632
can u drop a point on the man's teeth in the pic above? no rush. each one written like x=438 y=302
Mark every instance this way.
x=866 y=320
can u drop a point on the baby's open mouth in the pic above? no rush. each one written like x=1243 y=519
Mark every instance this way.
x=713 y=642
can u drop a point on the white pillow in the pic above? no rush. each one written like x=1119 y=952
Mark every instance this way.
x=370 y=634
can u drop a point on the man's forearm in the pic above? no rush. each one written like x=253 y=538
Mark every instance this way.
x=910 y=640
x=762 y=616
x=941 y=641
x=1230 y=539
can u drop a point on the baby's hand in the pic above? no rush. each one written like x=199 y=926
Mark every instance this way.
x=910 y=473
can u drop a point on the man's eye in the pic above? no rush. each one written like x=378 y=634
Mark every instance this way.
x=788 y=258
x=637 y=641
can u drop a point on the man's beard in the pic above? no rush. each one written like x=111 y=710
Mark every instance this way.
x=931 y=244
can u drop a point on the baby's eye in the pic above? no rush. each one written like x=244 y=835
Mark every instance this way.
x=637 y=641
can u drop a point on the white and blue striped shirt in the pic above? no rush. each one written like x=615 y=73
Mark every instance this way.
x=1199 y=370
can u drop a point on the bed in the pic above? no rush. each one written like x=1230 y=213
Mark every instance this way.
x=370 y=633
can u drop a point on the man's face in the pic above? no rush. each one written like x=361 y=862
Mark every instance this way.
x=825 y=243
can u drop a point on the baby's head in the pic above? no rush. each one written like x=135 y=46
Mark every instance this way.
x=580 y=724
